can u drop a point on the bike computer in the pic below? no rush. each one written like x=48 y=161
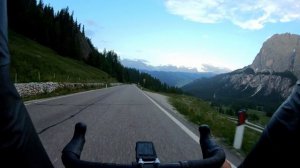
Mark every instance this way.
x=145 y=152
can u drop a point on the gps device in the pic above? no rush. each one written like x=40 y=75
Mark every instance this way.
x=145 y=153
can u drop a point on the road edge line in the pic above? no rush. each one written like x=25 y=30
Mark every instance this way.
x=183 y=127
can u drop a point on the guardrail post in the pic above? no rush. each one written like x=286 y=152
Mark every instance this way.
x=239 y=131
x=238 y=138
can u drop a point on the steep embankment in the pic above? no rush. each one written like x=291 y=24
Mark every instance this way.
x=266 y=82
x=32 y=62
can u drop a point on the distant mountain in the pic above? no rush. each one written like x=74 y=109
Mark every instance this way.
x=142 y=65
x=178 y=79
x=266 y=82
x=280 y=53
x=172 y=75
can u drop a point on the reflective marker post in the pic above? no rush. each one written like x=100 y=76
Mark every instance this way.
x=239 y=132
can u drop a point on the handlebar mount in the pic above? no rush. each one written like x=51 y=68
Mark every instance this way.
x=213 y=154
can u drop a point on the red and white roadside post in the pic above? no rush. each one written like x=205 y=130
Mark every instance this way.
x=239 y=132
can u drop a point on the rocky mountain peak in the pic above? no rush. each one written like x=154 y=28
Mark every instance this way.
x=279 y=53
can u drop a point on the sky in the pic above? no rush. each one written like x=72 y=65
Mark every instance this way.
x=189 y=33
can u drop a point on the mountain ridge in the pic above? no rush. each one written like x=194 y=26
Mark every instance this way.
x=178 y=79
x=266 y=82
x=279 y=53
x=142 y=65
x=173 y=75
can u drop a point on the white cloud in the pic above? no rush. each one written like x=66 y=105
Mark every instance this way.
x=247 y=14
x=90 y=22
x=192 y=59
x=212 y=68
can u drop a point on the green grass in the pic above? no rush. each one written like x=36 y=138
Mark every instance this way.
x=249 y=140
x=262 y=118
x=200 y=112
x=32 y=62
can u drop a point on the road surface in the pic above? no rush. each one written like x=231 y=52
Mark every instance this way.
x=116 y=118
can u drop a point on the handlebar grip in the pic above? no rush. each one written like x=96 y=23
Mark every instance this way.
x=72 y=150
x=77 y=142
x=208 y=145
x=71 y=153
x=213 y=154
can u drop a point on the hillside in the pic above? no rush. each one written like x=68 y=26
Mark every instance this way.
x=32 y=62
x=264 y=84
x=65 y=37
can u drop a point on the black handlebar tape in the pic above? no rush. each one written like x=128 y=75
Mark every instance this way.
x=71 y=153
x=76 y=144
x=213 y=154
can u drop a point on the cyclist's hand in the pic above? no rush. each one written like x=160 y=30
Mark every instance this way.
x=226 y=164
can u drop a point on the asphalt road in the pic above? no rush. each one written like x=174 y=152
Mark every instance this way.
x=116 y=119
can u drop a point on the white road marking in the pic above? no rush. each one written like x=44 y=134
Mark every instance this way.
x=183 y=127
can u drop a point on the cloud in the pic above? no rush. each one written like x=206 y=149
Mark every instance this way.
x=90 y=33
x=91 y=23
x=144 y=65
x=91 y=27
x=211 y=68
x=142 y=60
x=139 y=51
x=247 y=14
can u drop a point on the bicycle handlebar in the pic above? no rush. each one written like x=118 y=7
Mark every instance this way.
x=213 y=154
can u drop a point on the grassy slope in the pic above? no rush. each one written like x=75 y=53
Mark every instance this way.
x=32 y=62
x=200 y=112
x=262 y=118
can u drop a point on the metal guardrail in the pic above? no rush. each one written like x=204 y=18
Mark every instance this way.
x=250 y=125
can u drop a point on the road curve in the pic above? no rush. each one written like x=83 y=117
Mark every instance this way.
x=116 y=118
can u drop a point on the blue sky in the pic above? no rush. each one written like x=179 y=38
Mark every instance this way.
x=190 y=33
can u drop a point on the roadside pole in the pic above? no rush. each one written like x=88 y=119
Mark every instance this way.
x=239 y=131
x=238 y=138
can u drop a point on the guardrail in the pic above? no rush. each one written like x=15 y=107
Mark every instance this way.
x=250 y=125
